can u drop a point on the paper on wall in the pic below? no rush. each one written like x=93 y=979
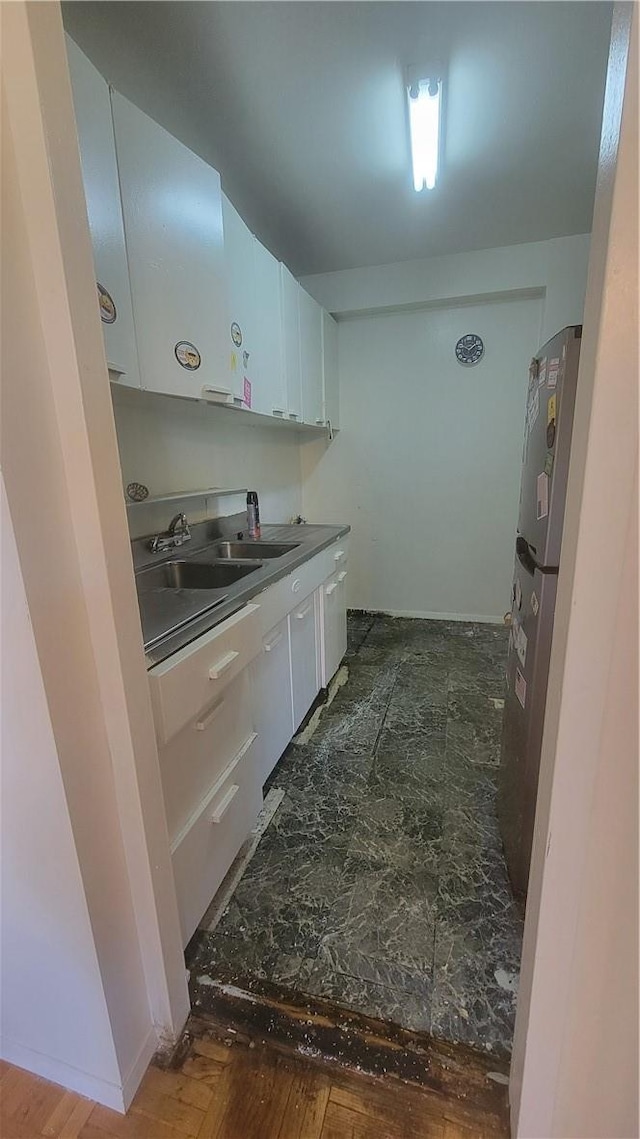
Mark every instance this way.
x=521 y=687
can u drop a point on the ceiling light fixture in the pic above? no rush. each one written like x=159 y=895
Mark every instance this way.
x=425 y=111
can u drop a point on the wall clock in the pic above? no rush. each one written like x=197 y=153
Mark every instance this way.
x=469 y=349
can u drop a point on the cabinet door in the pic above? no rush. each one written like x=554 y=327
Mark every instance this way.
x=102 y=192
x=304 y=664
x=311 y=358
x=330 y=659
x=269 y=394
x=331 y=409
x=172 y=208
x=273 y=712
x=291 y=341
x=240 y=284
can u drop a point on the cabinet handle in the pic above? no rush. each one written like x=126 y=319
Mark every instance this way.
x=225 y=803
x=338 y=556
x=293 y=415
x=211 y=390
x=295 y=585
x=278 y=411
x=341 y=576
x=330 y=588
x=300 y=616
x=223 y=664
x=320 y=422
x=202 y=725
x=272 y=644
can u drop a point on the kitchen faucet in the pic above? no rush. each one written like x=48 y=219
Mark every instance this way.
x=176 y=534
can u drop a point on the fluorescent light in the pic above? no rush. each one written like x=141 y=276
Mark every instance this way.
x=425 y=100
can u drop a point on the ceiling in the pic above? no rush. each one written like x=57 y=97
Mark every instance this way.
x=300 y=106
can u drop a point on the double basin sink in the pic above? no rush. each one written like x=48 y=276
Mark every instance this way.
x=226 y=563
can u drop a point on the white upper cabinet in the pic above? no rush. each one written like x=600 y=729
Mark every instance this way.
x=240 y=278
x=269 y=394
x=331 y=403
x=311 y=358
x=102 y=192
x=172 y=206
x=290 y=293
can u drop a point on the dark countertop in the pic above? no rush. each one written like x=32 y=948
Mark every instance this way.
x=172 y=618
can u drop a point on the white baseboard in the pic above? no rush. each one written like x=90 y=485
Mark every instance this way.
x=102 y=1091
x=138 y=1068
x=427 y=615
x=84 y=1083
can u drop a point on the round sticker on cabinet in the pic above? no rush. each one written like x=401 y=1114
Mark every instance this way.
x=108 y=312
x=187 y=355
x=236 y=334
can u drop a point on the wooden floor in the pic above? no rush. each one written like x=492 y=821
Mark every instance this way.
x=239 y=1092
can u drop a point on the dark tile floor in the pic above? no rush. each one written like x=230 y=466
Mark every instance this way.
x=380 y=882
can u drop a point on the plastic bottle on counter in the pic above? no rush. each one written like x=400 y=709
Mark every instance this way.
x=253 y=514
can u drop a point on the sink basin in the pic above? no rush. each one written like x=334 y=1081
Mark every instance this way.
x=254 y=549
x=192 y=575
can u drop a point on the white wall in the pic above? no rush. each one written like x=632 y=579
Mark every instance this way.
x=576 y=1050
x=426 y=467
x=173 y=444
x=426 y=447
x=60 y=469
x=50 y=971
x=557 y=267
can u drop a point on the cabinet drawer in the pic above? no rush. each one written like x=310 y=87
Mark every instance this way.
x=191 y=679
x=206 y=846
x=201 y=751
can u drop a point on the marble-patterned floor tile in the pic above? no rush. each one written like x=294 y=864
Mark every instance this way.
x=411 y=1009
x=381 y=881
x=385 y=916
x=475 y=982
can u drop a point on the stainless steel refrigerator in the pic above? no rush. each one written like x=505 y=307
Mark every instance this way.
x=551 y=394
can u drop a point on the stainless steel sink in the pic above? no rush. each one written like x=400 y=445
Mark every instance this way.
x=192 y=575
x=254 y=549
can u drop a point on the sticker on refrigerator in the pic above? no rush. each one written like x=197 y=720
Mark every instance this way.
x=535 y=604
x=517 y=594
x=247 y=392
x=548 y=464
x=542 y=496
x=234 y=362
x=236 y=334
x=542 y=372
x=551 y=409
x=521 y=687
x=535 y=408
x=521 y=645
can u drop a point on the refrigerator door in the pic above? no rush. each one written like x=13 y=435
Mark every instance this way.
x=534 y=595
x=547 y=442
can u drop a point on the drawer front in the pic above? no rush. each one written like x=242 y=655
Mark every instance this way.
x=278 y=600
x=192 y=679
x=208 y=843
x=200 y=752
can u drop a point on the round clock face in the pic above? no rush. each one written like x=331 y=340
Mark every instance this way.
x=469 y=349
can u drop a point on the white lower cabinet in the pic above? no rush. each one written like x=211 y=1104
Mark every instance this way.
x=304 y=657
x=225 y=708
x=273 y=712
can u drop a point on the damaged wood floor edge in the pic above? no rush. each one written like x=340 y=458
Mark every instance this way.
x=341 y=1040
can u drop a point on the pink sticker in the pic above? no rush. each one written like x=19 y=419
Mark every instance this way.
x=247 y=392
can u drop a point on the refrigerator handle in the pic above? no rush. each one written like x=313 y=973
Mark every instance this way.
x=525 y=557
